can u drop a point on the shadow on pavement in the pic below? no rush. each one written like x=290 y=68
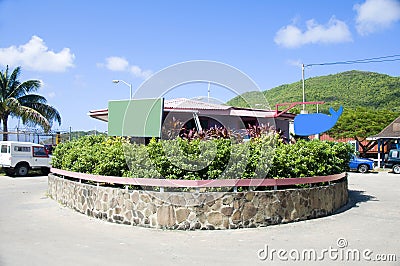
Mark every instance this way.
x=355 y=198
x=30 y=174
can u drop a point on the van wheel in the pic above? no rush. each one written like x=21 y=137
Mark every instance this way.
x=22 y=169
x=396 y=169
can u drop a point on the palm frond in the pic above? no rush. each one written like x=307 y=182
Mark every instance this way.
x=32 y=98
x=33 y=117
x=26 y=87
x=3 y=83
x=13 y=82
x=11 y=104
x=48 y=111
x=28 y=114
x=15 y=74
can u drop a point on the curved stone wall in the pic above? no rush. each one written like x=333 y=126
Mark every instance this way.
x=172 y=210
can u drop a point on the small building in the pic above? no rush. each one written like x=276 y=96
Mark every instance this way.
x=205 y=115
x=388 y=138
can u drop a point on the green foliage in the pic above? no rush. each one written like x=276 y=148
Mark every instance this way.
x=351 y=89
x=310 y=158
x=197 y=159
x=361 y=123
x=92 y=154
x=138 y=161
x=262 y=157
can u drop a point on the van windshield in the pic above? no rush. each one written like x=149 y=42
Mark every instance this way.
x=39 y=152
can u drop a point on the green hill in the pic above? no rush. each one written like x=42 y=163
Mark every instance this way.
x=351 y=89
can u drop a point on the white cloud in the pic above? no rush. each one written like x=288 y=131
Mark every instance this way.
x=375 y=15
x=115 y=63
x=138 y=72
x=35 y=55
x=336 y=31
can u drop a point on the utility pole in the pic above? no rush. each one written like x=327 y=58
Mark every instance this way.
x=304 y=94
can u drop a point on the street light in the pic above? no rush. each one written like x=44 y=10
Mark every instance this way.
x=126 y=83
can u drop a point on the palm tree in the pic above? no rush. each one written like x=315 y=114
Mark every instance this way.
x=17 y=100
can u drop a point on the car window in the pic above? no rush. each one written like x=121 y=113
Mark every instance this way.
x=22 y=149
x=395 y=154
x=39 y=152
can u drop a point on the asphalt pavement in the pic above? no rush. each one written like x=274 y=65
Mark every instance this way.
x=36 y=230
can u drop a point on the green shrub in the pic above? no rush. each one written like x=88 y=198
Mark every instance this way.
x=310 y=158
x=92 y=154
x=262 y=157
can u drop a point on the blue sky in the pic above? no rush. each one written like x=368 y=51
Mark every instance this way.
x=76 y=48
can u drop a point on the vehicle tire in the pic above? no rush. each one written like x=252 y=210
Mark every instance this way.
x=45 y=170
x=396 y=169
x=363 y=168
x=22 y=169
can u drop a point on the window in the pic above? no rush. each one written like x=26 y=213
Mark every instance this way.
x=22 y=149
x=39 y=152
x=4 y=149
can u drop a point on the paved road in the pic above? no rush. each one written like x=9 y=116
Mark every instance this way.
x=36 y=230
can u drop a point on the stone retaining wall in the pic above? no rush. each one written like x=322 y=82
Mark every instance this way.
x=213 y=210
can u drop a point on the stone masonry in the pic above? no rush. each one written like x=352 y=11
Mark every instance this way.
x=206 y=210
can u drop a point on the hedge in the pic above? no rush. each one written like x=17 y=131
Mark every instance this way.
x=263 y=157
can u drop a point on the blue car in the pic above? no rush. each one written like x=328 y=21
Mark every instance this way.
x=361 y=165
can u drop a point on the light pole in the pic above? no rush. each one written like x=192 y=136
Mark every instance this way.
x=126 y=83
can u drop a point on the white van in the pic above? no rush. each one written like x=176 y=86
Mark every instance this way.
x=20 y=157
